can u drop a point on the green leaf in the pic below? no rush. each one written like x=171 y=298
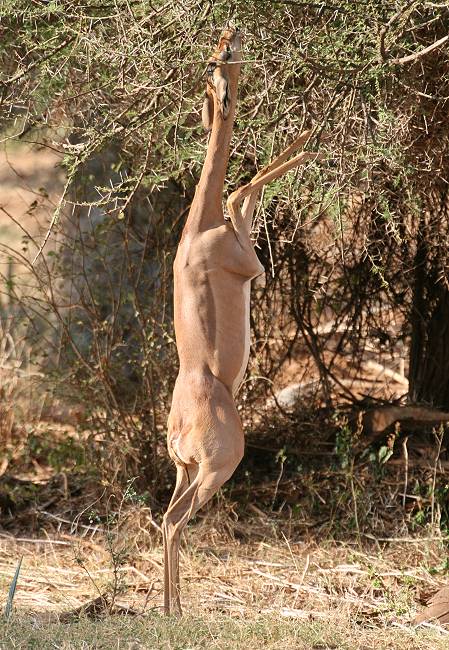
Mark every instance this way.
x=384 y=454
x=12 y=590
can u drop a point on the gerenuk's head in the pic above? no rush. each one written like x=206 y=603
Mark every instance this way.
x=222 y=74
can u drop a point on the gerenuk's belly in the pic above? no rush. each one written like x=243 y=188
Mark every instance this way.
x=212 y=324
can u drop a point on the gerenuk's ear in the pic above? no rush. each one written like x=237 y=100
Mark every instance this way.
x=207 y=114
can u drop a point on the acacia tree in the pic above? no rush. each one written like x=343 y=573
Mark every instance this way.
x=117 y=89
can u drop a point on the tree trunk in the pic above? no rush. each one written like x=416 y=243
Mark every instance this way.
x=429 y=350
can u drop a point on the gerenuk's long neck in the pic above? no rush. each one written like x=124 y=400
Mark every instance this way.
x=209 y=191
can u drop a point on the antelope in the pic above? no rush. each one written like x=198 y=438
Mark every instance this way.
x=213 y=269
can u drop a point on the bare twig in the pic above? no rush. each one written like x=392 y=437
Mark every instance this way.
x=418 y=55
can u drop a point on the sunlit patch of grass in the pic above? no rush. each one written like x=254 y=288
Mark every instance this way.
x=215 y=631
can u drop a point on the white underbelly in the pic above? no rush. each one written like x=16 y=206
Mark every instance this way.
x=239 y=379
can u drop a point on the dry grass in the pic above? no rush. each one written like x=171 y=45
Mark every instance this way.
x=216 y=632
x=275 y=593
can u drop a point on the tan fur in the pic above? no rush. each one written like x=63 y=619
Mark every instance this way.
x=214 y=266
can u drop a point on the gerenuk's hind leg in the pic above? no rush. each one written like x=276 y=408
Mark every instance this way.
x=205 y=485
x=182 y=483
